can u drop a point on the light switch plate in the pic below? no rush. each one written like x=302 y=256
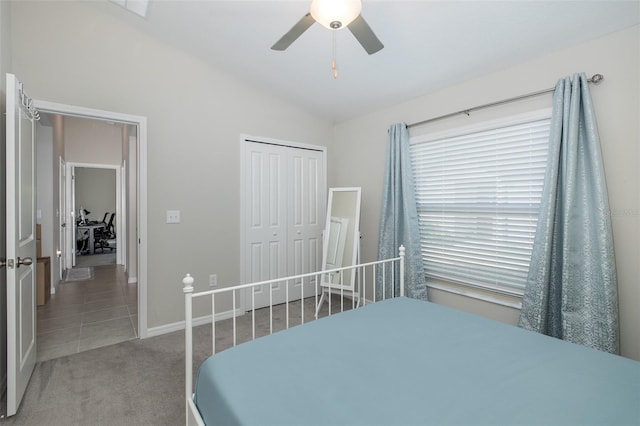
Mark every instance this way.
x=173 y=216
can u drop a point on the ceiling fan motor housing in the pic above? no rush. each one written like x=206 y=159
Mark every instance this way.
x=335 y=14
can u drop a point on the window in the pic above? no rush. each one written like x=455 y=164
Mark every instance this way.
x=478 y=195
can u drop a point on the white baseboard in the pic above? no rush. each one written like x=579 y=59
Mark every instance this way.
x=178 y=326
x=132 y=280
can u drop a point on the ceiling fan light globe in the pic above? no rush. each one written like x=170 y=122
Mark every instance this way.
x=328 y=12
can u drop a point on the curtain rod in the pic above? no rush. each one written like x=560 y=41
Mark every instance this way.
x=595 y=79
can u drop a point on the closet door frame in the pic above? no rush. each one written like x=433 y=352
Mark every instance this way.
x=245 y=301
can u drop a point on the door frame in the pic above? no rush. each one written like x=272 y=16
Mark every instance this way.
x=244 y=139
x=62 y=216
x=122 y=242
x=141 y=123
x=71 y=207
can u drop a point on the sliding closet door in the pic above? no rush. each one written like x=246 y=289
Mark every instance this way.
x=283 y=209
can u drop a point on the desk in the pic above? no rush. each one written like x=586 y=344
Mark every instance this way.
x=91 y=229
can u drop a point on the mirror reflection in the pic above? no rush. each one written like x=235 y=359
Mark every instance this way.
x=341 y=239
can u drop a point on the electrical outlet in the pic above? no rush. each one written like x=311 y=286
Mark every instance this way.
x=173 y=216
x=213 y=280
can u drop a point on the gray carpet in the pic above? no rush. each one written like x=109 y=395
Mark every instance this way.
x=138 y=382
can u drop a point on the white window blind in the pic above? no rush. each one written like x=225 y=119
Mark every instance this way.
x=478 y=196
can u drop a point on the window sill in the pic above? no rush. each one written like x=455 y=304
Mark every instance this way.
x=501 y=299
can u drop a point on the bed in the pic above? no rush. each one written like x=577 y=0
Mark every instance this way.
x=403 y=361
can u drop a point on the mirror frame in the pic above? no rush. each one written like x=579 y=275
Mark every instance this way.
x=355 y=239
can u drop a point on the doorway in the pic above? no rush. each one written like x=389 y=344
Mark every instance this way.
x=93 y=305
x=131 y=247
x=21 y=248
x=98 y=205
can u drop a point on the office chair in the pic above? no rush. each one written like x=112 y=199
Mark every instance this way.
x=100 y=241
x=107 y=236
x=110 y=229
x=99 y=235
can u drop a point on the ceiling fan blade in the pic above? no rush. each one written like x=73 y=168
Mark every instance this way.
x=365 y=35
x=296 y=31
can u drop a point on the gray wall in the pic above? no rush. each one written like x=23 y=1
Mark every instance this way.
x=48 y=177
x=44 y=200
x=92 y=141
x=616 y=101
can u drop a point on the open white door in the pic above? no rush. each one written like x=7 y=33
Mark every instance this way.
x=73 y=225
x=63 y=218
x=21 y=243
x=122 y=223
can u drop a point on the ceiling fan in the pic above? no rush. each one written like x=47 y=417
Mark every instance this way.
x=335 y=15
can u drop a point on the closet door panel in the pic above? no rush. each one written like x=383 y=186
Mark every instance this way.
x=284 y=198
x=307 y=196
x=266 y=235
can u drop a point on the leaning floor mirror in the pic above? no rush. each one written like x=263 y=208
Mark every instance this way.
x=341 y=240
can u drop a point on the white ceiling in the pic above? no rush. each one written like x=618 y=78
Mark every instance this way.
x=428 y=44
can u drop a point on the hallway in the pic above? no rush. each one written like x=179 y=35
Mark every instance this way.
x=88 y=314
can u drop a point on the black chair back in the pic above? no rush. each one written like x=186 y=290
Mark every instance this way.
x=110 y=229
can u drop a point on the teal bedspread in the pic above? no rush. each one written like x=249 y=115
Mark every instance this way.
x=408 y=362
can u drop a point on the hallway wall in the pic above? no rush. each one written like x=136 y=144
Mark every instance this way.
x=46 y=210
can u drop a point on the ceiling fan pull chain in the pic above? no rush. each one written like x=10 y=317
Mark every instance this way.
x=334 y=65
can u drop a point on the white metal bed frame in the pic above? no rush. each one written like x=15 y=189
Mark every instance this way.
x=192 y=414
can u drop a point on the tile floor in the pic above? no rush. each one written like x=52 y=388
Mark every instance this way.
x=89 y=314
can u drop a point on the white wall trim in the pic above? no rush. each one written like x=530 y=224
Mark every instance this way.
x=82 y=112
x=70 y=173
x=476 y=295
x=122 y=241
x=132 y=280
x=94 y=166
x=178 y=326
x=141 y=123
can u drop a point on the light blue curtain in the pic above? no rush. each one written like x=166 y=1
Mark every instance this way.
x=571 y=290
x=399 y=216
